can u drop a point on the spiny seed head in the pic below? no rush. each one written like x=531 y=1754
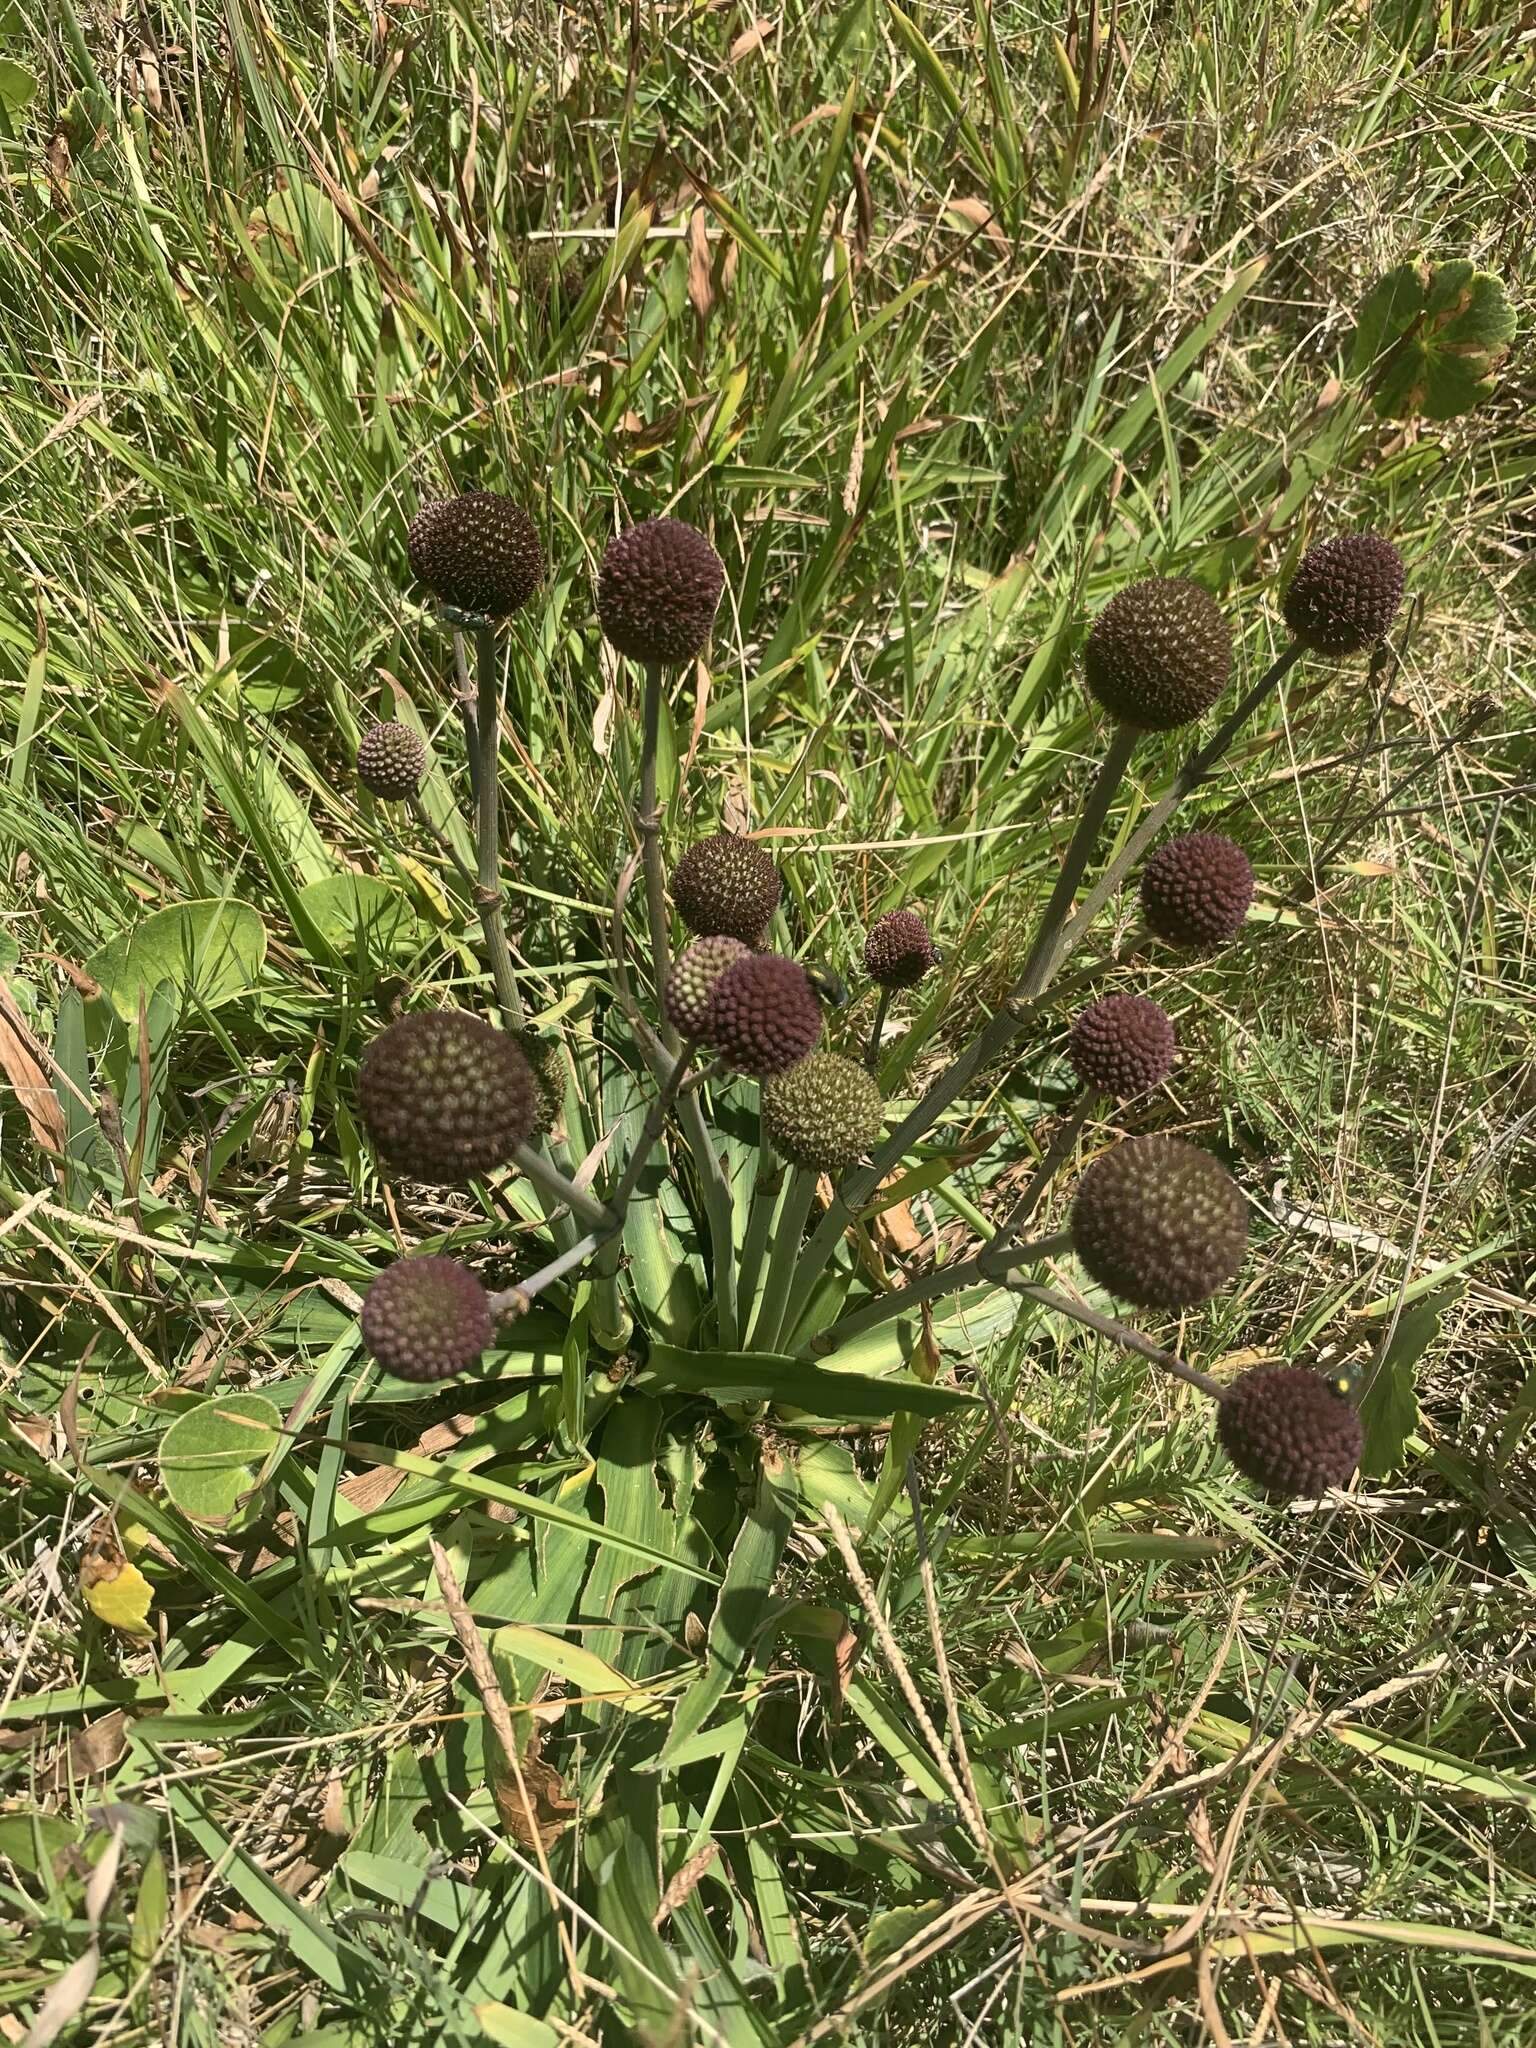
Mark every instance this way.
x=426 y=1318
x=1290 y=1432
x=658 y=589
x=726 y=885
x=1159 y=654
x=692 y=980
x=763 y=1014
x=1122 y=1044
x=1196 y=889
x=391 y=761
x=547 y=269
x=899 y=950
x=1345 y=593
x=444 y=1097
x=478 y=553
x=1159 y=1223
x=823 y=1113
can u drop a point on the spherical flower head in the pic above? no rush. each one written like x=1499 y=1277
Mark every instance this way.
x=824 y=1113
x=1159 y=654
x=1122 y=1044
x=899 y=950
x=692 y=980
x=426 y=1318
x=478 y=553
x=658 y=590
x=1290 y=1432
x=763 y=1014
x=444 y=1097
x=1159 y=1223
x=1196 y=889
x=1345 y=593
x=391 y=761
x=726 y=886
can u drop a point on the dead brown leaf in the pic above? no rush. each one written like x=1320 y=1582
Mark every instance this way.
x=19 y=1050
x=701 y=290
x=93 y=1749
x=369 y=1490
x=751 y=39
x=545 y=1789
x=978 y=214
x=899 y=1230
x=683 y=1886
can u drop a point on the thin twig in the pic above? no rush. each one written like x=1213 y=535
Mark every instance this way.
x=891 y=1651
x=483 y=1672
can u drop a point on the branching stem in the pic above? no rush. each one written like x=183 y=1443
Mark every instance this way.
x=1119 y=1333
x=1058 y=938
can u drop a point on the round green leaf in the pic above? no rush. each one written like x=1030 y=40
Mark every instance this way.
x=1430 y=337
x=211 y=1457
x=210 y=951
x=360 y=908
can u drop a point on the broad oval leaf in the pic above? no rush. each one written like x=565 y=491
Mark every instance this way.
x=353 y=910
x=209 y=951
x=1431 y=337
x=211 y=1457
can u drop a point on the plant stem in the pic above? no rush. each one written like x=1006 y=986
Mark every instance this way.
x=651 y=1129
x=932 y=1287
x=1117 y=758
x=1056 y=1154
x=464 y=698
x=487 y=821
x=719 y=1213
x=1119 y=1333
x=516 y=1301
x=768 y=1189
x=648 y=820
x=877 y=1030
x=1189 y=777
x=442 y=842
x=788 y=1232
x=549 y=1180
x=1047 y=956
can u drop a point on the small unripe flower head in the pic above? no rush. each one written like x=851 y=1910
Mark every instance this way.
x=478 y=553
x=691 y=982
x=1159 y=654
x=426 y=1318
x=1196 y=889
x=391 y=761
x=763 y=1014
x=1159 y=1223
x=824 y=1113
x=444 y=1097
x=658 y=590
x=726 y=886
x=1122 y=1044
x=1290 y=1432
x=899 y=950
x=1345 y=593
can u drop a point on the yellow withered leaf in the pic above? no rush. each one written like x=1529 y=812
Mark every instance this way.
x=121 y=1599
